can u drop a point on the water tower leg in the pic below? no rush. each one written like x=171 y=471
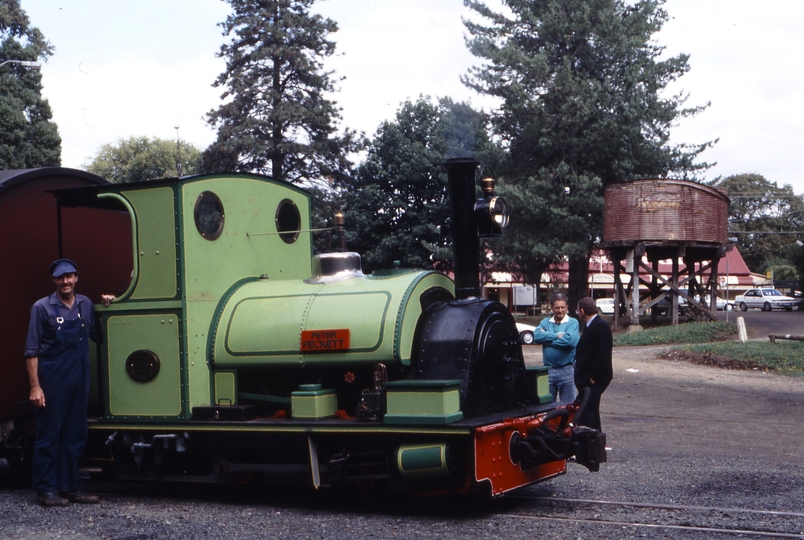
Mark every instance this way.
x=674 y=295
x=618 y=288
x=654 y=292
x=635 y=290
x=713 y=281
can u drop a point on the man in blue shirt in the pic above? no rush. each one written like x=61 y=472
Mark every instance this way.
x=559 y=335
x=57 y=357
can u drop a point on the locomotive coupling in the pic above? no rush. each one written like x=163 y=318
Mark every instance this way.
x=551 y=437
x=543 y=446
x=589 y=446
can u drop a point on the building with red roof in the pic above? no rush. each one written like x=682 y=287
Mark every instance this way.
x=734 y=277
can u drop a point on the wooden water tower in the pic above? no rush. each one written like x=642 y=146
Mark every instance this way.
x=655 y=219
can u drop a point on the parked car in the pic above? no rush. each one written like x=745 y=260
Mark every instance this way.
x=525 y=333
x=766 y=299
x=720 y=304
x=605 y=306
x=662 y=307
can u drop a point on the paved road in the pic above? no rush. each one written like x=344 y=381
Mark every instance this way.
x=658 y=407
x=760 y=323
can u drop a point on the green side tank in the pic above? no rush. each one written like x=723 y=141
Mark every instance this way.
x=338 y=316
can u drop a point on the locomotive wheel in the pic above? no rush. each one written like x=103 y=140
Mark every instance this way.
x=476 y=342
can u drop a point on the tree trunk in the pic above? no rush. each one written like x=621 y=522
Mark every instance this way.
x=533 y=276
x=577 y=280
x=276 y=131
x=277 y=159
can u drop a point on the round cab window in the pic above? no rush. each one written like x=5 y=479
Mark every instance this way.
x=288 y=221
x=209 y=215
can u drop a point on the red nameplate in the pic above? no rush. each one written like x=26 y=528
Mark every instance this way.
x=325 y=340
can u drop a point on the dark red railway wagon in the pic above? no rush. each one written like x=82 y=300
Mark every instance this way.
x=31 y=228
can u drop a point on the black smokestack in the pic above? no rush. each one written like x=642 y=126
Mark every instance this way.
x=465 y=243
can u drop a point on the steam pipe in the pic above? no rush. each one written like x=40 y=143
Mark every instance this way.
x=465 y=242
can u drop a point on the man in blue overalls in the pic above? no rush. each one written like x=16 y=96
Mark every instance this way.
x=57 y=356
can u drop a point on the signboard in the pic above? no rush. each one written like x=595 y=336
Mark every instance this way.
x=336 y=340
x=525 y=295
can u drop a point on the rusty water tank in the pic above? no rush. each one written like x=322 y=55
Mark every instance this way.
x=665 y=210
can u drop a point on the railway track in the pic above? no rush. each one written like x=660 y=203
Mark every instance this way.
x=706 y=520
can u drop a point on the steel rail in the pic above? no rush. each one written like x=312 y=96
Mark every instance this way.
x=660 y=526
x=662 y=506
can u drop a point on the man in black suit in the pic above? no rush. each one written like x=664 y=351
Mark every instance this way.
x=592 y=360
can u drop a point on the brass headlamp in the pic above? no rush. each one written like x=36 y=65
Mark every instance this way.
x=491 y=212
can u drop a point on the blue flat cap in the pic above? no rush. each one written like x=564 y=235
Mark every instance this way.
x=63 y=266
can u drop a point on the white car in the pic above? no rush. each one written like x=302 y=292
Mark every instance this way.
x=766 y=299
x=525 y=333
x=605 y=306
x=720 y=304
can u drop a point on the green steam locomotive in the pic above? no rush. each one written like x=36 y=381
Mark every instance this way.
x=231 y=353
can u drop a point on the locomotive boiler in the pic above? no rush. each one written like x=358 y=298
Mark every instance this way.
x=233 y=354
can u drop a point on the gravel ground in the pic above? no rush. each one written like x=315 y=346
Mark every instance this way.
x=680 y=434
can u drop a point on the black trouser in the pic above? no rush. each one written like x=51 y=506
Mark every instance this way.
x=590 y=417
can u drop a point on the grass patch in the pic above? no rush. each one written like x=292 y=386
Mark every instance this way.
x=682 y=333
x=785 y=357
x=713 y=344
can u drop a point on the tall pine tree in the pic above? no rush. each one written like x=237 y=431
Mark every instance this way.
x=276 y=118
x=28 y=137
x=582 y=98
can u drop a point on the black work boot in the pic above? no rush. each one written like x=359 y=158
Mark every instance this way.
x=80 y=498
x=51 y=499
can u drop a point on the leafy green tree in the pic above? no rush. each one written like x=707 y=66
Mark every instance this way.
x=276 y=118
x=397 y=205
x=138 y=159
x=28 y=137
x=546 y=219
x=782 y=269
x=797 y=258
x=764 y=220
x=583 y=106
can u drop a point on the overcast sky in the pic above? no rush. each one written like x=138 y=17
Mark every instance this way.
x=126 y=68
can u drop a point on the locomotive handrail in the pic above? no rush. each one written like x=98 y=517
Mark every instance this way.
x=249 y=235
x=135 y=273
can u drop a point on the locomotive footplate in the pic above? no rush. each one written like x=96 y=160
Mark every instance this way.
x=245 y=416
x=495 y=454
